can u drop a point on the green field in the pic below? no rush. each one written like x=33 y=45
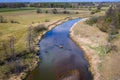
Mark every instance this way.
x=16 y=9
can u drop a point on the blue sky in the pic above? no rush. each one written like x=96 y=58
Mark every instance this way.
x=58 y=0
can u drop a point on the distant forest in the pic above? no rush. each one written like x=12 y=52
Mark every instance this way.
x=53 y=5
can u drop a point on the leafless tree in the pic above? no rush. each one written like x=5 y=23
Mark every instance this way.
x=29 y=39
x=11 y=45
x=5 y=48
x=99 y=7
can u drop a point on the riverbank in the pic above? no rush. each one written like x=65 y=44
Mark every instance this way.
x=87 y=37
x=49 y=25
x=17 y=26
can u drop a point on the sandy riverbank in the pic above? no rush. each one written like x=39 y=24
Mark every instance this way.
x=86 y=37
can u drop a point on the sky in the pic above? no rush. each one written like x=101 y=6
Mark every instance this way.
x=59 y=0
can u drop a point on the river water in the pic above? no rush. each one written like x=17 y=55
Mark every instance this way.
x=61 y=58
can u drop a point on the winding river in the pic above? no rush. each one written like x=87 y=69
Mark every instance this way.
x=61 y=58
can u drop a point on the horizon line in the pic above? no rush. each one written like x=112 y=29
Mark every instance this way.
x=53 y=1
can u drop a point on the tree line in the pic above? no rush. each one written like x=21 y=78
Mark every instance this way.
x=13 y=5
x=45 y=5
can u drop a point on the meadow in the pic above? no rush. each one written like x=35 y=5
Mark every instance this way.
x=17 y=23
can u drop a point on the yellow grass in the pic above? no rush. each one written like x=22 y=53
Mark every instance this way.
x=103 y=66
x=27 y=18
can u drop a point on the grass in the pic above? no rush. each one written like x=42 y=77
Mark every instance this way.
x=102 y=50
x=16 y=9
x=25 y=17
x=19 y=30
x=110 y=66
x=94 y=41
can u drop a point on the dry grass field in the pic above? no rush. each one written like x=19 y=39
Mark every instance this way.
x=104 y=66
x=25 y=19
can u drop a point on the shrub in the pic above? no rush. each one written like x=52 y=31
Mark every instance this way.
x=77 y=12
x=92 y=12
x=91 y=21
x=39 y=28
x=47 y=20
x=33 y=22
x=95 y=11
x=2 y=20
x=39 y=11
x=54 y=11
x=46 y=11
x=103 y=49
x=108 y=20
x=66 y=12
x=90 y=8
x=102 y=25
x=13 y=21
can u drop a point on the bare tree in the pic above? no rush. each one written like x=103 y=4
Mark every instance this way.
x=5 y=48
x=99 y=6
x=12 y=47
x=29 y=39
x=54 y=11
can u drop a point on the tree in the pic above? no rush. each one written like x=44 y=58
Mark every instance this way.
x=112 y=17
x=109 y=12
x=99 y=7
x=2 y=20
x=54 y=11
x=29 y=39
x=5 y=48
x=46 y=11
x=39 y=11
x=12 y=47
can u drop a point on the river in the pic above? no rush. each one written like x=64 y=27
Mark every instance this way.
x=61 y=58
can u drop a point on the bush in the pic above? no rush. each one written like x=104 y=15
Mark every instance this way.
x=47 y=20
x=95 y=11
x=77 y=12
x=104 y=49
x=91 y=21
x=39 y=11
x=92 y=12
x=2 y=20
x=90 y=8
x=66 y=12
x=54 y=11
x=108 y=20
x=102 y=24
x=39 y=28
x=13 y=21
x=46 y=11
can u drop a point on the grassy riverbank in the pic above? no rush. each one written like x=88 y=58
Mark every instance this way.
x=92 y=41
